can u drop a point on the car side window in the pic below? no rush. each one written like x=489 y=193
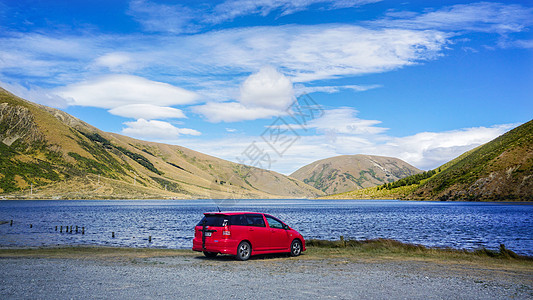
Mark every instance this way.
x=274 y=223
x=239 y=220
x=255 y=220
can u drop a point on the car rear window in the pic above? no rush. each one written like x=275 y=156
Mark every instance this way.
x=239 y=220
x=214 y=220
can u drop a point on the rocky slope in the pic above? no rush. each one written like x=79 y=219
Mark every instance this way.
x=46 y=153
x=500 y=170
x=351 y=172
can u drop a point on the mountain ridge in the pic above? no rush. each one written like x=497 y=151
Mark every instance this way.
x=348 y=172
x=47 y=153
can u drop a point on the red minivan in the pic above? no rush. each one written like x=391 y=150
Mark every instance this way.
x=244 y=234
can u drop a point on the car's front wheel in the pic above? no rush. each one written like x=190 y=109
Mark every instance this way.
x=210 y=254
x=296 y=248
x=244 y=251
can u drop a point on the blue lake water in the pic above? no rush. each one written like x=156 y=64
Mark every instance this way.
x=463 y=225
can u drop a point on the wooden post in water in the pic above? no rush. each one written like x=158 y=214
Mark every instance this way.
x=56 y=227
x=11 y=223
x=70 y=228
x=76 y=228
x=113 y=234
x=149 y=239
x=83 y=230
x=61 y=229
x=31 y=225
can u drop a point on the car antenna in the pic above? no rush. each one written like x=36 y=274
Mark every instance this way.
x=219 y=209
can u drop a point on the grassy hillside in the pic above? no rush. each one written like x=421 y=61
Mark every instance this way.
x=350 y=172
x=500 y=170
x=46 y=153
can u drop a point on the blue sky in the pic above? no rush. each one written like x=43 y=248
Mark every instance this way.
x=423 y=81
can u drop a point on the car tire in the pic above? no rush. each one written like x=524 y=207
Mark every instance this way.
x=244 y=251
x=210 y=254
x=296 y=248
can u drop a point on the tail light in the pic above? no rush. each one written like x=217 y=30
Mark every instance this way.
x=226 y=232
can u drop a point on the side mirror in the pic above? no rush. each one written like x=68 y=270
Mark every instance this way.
x=286 y=227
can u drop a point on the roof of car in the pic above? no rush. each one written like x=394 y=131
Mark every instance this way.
x=230 y=213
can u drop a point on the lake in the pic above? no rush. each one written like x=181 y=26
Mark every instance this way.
x=170 y=223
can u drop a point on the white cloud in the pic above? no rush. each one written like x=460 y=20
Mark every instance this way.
x=154 y=129
x=344 y=121
x=112 y=91
x=431 y=149
x=264 y=94
x=268 y=89
x=147 y=111
x=233 y=112
x=213 y=62
x=116 y=62
x=426 y=150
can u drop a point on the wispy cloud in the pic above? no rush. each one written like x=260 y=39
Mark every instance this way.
x=479 y=17
x=330 y=89
x=304 y=53
x=156 y=17
x=230 y=9
x=178 y=18
x=426 y=150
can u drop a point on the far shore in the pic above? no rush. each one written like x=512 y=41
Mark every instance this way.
x=191 y=199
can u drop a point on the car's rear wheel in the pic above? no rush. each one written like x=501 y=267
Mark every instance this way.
x=210 y=254
x=244 y=251
x=296 y=248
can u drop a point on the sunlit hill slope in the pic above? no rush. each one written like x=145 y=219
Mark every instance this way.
x=46 y=153
x=500 y=170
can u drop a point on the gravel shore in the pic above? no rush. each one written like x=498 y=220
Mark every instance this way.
x=193 y=276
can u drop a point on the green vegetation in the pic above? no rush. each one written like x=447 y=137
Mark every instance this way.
x=143 y=161
x=19 y=172
x=410 y=180
x=392 y=248
x=168 y=185
x=500 y=154
x=174 y=165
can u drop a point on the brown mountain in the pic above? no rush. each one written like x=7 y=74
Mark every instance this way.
x=500 y=170
x=351 y=172
x=46 y=153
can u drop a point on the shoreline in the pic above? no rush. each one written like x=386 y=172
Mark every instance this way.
x=364 y=250
x=310 y=199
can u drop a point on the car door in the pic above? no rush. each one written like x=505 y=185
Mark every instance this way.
x=279 y=237
x=258 y=233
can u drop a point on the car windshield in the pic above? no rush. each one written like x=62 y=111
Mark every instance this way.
x=214 y=220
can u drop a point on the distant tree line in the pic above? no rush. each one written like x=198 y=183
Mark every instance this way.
x=413 y=179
